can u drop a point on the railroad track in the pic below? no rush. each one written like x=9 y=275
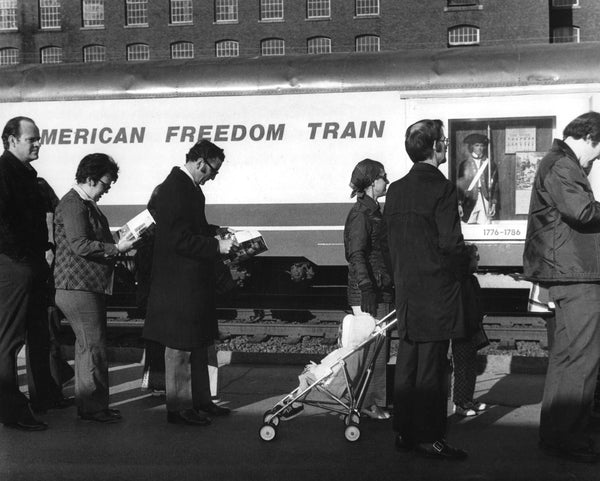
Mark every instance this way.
x=507 y=329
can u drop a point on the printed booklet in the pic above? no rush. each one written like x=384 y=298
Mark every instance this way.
x=246 y=244
x=137 y=226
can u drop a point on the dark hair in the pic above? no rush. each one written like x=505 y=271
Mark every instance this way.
x=204 y=150
x=363 y=175
x=420 y=137
x=13 y=127
x=588 y=123
x=94 y=166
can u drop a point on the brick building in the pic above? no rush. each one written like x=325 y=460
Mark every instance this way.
x=52 y=31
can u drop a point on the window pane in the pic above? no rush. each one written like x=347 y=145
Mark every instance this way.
x=51 y=55
x=367 y=43
x=181 y=11
x=226 y=10
x=463 y=35
x=137 y=12
x=94 y=53
x=367 y=7
x=8 y=14
x=93 y=13
x=271 y=9
x=319 y=45
x=565 y=3
x=49 y=13
x=138 y=51
x=9 y=56
x=460 y=3
x=272 y=46
x=228 y=48
x=318 y=8
x=182 y=50
x=565 y=35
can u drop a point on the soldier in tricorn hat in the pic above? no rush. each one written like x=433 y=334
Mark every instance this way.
x=477 y=182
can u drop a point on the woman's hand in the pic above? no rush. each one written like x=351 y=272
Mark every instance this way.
x=125 y=245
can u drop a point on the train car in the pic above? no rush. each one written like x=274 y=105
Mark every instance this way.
x=293 y=127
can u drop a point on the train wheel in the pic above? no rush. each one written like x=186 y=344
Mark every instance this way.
x=352 y=433
x=267 y=432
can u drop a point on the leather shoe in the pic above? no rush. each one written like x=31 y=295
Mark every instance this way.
x=581 y=455
x=106 y=416
x=190 y=417
x=403 y=445
x=440 y=450
x=215 y=410
x=28 y=423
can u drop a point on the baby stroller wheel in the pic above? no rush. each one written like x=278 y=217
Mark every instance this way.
x=268 y=418
x=352 y=433
x=267 y=432
x=352 y=418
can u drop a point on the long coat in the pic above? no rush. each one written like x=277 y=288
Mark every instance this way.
x=428 y=255
x=181 y=310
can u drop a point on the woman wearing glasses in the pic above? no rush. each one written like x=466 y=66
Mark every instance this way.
x=369 y=281
x=83 y=275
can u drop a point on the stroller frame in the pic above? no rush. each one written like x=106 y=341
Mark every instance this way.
x=355 y=390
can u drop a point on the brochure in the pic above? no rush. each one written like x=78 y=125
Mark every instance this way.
x=136 y=227
x=246 y=244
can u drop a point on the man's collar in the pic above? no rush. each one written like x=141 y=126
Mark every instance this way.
x=189 y=174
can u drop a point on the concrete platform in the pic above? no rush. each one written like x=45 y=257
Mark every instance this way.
x=502 y=442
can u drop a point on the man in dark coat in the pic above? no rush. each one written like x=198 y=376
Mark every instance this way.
x=181 y=312
x=428 y=259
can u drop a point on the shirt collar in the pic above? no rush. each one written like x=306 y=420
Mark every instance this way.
x=83 y=194
x=187 y=172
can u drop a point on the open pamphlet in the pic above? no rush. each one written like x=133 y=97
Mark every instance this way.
x=136 y=227
x=246 y=244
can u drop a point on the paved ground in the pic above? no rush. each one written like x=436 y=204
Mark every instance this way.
x=501 y=442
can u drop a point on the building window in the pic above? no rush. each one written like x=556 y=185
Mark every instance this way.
x=93 y=13
x=8 y=14
x=319 y=45
x=318 y=9
x=226 y=10
x=51 y=55
x=138 y=52
x=9 y=56
x=463 y=35
x=227 y=48
x=367 y=43
x=49 y=13
x=367 y=7
x=567 y=34
x=272 y=46
x=565 y=3
x=271 y=10
x=462 y=3
x=181 y=11
x=137 y=12
x=181 y=50
x=94 y=53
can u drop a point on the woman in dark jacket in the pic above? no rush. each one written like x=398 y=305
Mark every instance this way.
x=369 y=281
x=83 y=276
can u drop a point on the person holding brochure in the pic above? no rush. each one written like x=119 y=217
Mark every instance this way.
x=181 y=311
x=83 y=276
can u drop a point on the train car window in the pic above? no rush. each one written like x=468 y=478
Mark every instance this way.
x=493 y=162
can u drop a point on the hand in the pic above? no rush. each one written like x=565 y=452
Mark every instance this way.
x=225 y=246
x=461 y=212
x=49 y=257
x=492 y=212
x=125 y=245
x=368 y=301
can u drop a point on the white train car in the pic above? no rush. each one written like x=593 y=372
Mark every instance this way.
x=293 y=128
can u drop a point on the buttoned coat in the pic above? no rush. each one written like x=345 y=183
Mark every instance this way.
x=181 y=311
x=428 y=255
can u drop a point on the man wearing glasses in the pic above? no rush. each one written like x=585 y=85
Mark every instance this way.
x=23 y=275
x=181 y=312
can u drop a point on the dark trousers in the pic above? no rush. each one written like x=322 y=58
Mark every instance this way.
x=464 y=363
x=421 y=390
x=572 y=366
x=187 y=381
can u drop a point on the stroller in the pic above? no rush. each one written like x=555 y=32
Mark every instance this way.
x=329 y=384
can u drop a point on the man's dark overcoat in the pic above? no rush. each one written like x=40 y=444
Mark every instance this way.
x=428 y=254
x=181 y=305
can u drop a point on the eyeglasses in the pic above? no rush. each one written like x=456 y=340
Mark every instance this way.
x=446 y=141
x=383 y=176
x=214 y=172
x=107 y=185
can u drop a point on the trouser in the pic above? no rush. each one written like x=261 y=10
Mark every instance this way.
x=572 y=366
x=464 y=361
x=186 y=376
x=86 y=312
x=421 y=390
x=16 y=280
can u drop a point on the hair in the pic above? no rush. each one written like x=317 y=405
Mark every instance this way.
x=420 y=137
x=13 y=127
x=585 y=124
x=363 y=175
x=94 y=166
x=204 y=150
